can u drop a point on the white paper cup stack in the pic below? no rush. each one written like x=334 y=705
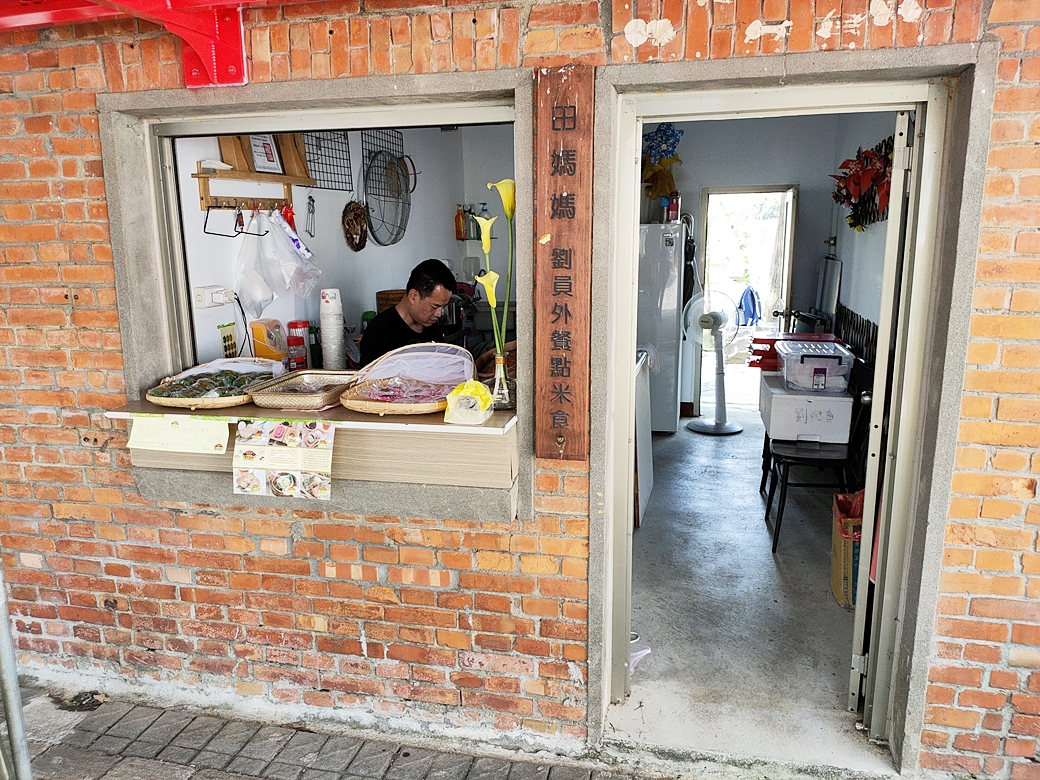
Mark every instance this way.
x=331 y=309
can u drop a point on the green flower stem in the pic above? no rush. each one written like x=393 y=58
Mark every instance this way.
x=509 y=284
x=499 y=343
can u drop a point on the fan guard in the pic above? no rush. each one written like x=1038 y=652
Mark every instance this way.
x=387 y=197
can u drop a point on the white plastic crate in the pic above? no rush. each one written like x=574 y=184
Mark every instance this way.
x=814 y=367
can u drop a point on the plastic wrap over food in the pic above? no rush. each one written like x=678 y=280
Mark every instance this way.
x=238 y=365
x=431 y=363
x=218 y=379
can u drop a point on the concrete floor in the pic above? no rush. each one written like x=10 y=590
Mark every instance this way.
x=750 y=652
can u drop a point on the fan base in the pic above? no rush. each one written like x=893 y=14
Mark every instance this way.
x=714 y=428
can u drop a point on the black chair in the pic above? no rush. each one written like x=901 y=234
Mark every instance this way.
x=848 y=460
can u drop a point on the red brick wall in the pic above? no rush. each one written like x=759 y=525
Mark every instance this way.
x=459 y=623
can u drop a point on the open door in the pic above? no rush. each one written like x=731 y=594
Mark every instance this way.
x=884 y=515
x=747 y=239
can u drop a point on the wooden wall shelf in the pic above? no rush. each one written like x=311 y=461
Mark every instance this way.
x=208 y=201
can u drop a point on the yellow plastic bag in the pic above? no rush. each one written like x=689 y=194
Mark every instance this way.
x=468 y=404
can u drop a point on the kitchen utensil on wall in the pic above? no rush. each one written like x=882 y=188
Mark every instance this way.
x=355 y=225
x=387 y=197
x=309 y=223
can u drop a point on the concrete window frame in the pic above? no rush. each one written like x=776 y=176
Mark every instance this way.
x=969 y=71
x=152 y=297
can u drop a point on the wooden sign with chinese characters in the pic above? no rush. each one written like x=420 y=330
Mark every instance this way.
x=563 y=260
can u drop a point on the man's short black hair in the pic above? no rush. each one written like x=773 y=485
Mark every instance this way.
x=428 y=275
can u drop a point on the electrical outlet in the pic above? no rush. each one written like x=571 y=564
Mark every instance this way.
x=212 y=295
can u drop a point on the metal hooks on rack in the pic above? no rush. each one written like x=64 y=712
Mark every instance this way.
x=239 y=224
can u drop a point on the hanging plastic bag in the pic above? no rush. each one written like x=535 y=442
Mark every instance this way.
x=283 y=250
x=251 y=286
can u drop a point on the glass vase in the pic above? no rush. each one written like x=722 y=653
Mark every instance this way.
x=503 y=389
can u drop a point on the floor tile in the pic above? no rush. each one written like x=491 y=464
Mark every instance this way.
x=233 y=737
x=266 y=743
x=105 y=716
x=247 y=766
x=145 y=769
x=64 y=762
x=449 y=766
x=133 y=724
x=110 y=746
x=177 y=755
x=337 y=754
x=199 y=732
x=411 y=763
x=372 y=760
x=166 y=727
x=302 y=749
x=141 y=749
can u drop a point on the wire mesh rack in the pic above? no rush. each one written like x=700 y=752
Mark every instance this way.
x=373 y=142
x=328 y=159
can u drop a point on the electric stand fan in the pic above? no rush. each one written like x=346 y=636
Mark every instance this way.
x=716 y=313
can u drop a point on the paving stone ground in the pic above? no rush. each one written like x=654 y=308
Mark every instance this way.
x=121 y=741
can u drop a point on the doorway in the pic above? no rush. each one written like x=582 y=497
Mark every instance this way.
x=749 y=678
x=748 y=240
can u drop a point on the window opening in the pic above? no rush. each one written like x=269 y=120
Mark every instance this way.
x=456 y=163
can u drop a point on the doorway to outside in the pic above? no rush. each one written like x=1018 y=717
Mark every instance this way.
x=748 y=240
x=749 y=654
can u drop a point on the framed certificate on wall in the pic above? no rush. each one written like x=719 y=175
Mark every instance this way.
x=265 y=154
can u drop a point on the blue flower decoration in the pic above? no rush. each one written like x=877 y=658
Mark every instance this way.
x=662 y=142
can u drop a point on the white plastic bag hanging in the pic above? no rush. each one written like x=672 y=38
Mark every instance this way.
x=254 y=292
x=288 y=255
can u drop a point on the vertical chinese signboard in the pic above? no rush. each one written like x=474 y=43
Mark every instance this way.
x=563 y=260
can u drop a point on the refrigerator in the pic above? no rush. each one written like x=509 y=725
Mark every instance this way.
x=659 y=318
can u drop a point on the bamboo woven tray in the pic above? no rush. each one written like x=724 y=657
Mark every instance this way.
x=354 y=399
x=222 y=402
x=279 y=393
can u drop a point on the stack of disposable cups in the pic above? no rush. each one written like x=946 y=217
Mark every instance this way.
x=333 y=355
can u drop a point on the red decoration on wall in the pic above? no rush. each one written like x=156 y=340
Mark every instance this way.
x=866 y=185
x=214 y=43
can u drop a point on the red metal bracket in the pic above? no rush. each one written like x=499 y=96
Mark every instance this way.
x=214 y=40
x=214 y=51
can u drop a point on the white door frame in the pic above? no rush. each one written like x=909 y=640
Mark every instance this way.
x=633 y=109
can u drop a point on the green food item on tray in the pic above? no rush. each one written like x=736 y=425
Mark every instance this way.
x=218 y=384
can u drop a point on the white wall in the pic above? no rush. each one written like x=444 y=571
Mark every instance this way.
x=862 y=254
x=488 y=157
x=803 y=151
x=454 y=166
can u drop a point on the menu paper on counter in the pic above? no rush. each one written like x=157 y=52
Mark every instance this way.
x=179 y=433
x=283 y=459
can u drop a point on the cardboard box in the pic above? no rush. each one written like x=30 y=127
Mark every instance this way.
x=845 y=540
x=813 y=417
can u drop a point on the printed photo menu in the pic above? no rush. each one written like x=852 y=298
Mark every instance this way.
x=283 y=459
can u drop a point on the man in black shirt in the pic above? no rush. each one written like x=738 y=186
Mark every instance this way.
x=414 y=319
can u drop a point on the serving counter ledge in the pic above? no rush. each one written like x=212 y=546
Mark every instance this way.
x=411 y=449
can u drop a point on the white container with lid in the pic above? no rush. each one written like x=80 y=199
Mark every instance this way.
x=814 y=366
x=809 y=417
